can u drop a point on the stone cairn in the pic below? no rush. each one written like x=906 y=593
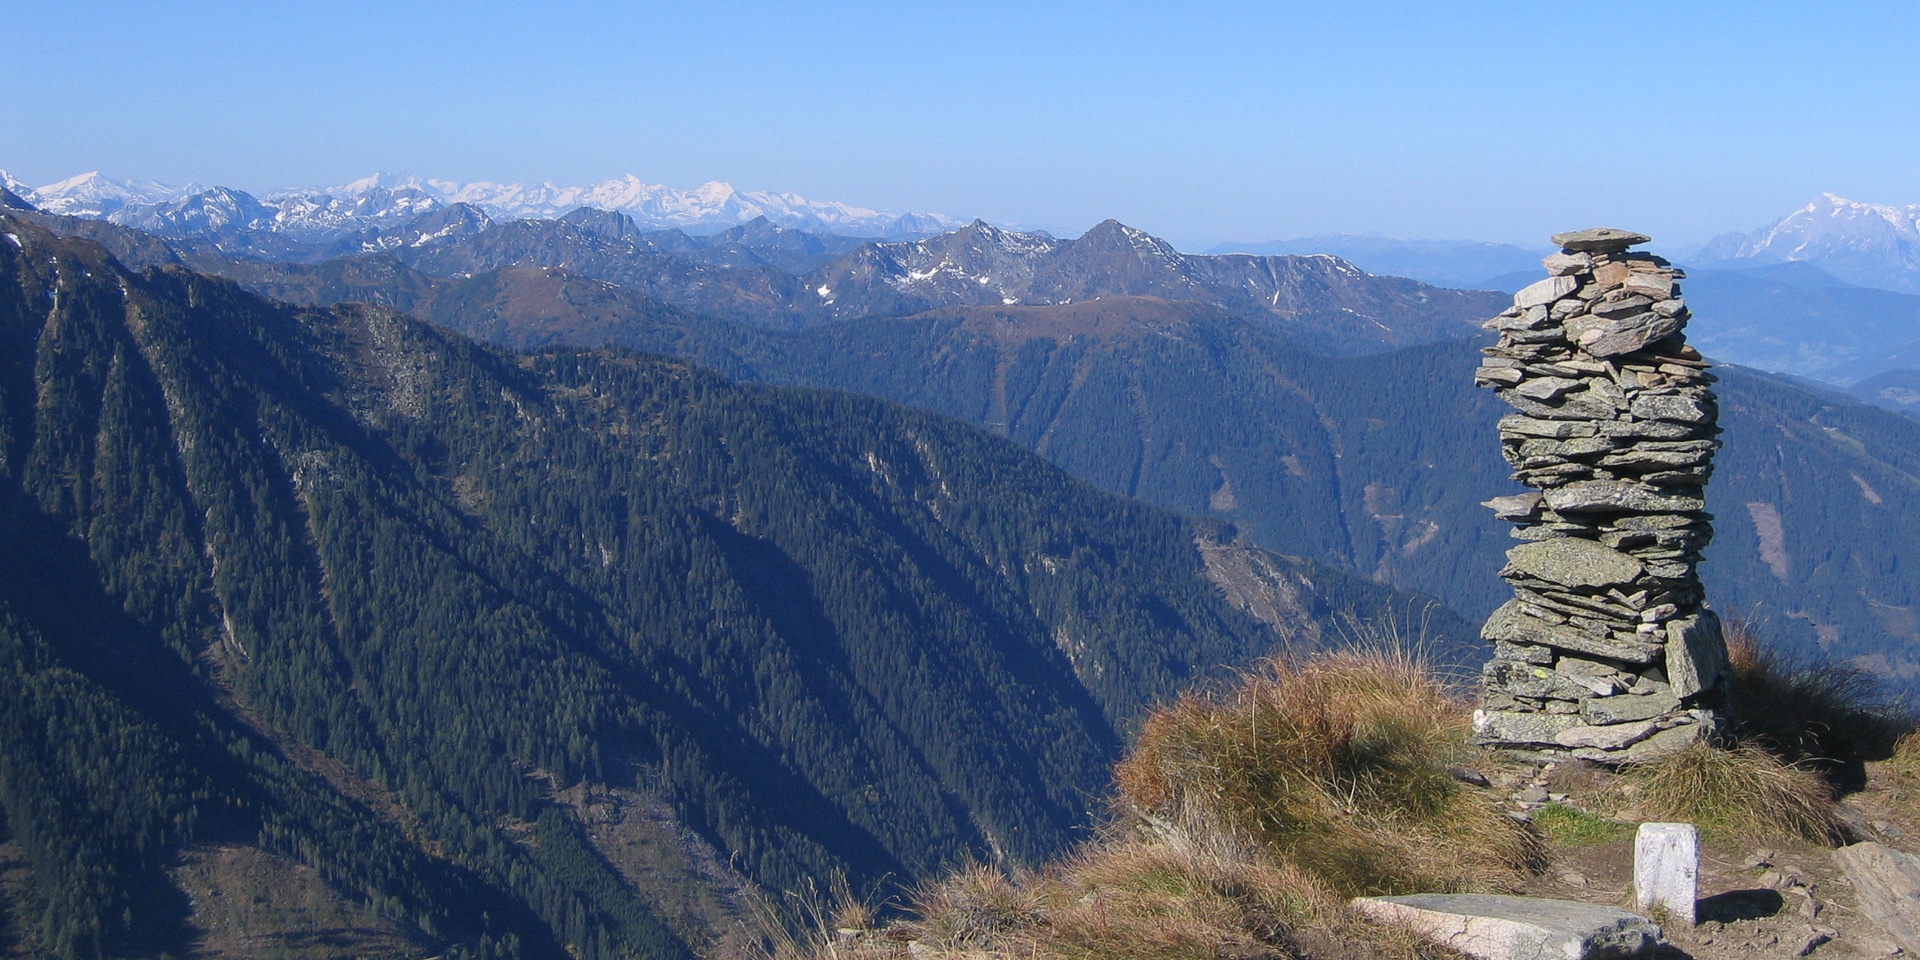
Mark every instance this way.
x=1606 y=651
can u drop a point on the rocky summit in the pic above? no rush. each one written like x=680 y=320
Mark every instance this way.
x=1606 y=651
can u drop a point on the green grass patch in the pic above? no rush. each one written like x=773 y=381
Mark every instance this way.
x=1571 y=827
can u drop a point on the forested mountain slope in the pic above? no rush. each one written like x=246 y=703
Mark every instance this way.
x=1379 y=463
x=412 y=621
x=1376 y=464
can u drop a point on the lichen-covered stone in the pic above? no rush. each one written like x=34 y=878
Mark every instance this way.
x=1609 y=737
x=1628 y=708
x=1512 y=624
x=1514 y=727
x=1600 y=496
x=1574 y=563
x=1496 y=927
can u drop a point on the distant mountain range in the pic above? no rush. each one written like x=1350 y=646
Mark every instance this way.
x=771 y=276
x=1825 y=293
x=1865 y=244
x=310 y=214
x=1464 y=264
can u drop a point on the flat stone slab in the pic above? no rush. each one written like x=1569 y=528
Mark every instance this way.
x=1574 y=562
x=1519 y=928
x=1887 y=883
x=1598 y=239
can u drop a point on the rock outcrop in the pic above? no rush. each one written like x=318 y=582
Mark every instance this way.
x=1606 y=651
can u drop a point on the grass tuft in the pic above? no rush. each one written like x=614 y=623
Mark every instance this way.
x=1741 y=791
x=1336 y=765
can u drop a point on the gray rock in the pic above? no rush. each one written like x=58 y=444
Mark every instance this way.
x=1493 y=927
x=1887 y=883
x=1513 y=624
x=1613 y=307
x=1610 y=737
x=1598 y=240
x=1515 y=727
x=1648 y=429
x=1546 y=388
x=1683 y=408
x=1639 y=458
x=1663 y=744
x=1617 y=496
x=1670 y=308
x=1531 y=680
x=1566 y=264
x=1469 y=776
x=1576 y=407
x=1575 y=563
x=1570 y=666
x=1518 y=425
x=1612 y=710
x=1696 y=653
x=1618 y=335
x=1519 y=506
x=1544 y=292
x=1654 y=286
x=1572 y=447
x=1522 y=653
x=1655 y=521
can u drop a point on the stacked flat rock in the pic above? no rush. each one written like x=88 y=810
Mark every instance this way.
x=1606 y=651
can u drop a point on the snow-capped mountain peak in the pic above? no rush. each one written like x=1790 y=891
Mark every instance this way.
x=383 y=202
x=710 y=206
x=92 y=195
x=1868 y=244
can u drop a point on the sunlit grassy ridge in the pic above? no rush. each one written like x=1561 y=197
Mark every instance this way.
x=1246 y=817
x=1243 y=821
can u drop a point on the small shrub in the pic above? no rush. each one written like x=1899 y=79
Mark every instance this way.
x=1741 y=791
x=1573 y=827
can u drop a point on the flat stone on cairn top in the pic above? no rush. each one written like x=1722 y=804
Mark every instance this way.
x=1598 y=240
x=1606 y=651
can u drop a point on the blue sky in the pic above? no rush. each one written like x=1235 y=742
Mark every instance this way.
x=1230 y=121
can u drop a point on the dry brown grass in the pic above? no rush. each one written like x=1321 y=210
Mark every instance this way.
x=1336 y=765
x=1145 y=900
x=1740 y=791
x=1246 y=818
x=1244 y=822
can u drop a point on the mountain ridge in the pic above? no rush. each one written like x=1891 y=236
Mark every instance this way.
x=713 y=206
